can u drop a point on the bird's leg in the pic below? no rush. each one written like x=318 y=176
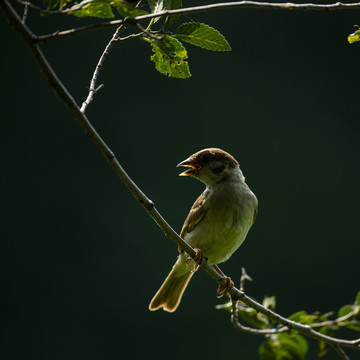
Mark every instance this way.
x=229 y=283
x=198 y=258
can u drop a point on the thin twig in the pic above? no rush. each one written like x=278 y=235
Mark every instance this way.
x=249 y=330
x=93 y=89
x=196 y=9
x=341 y=352
x=116 y=37
x=148 y=33
x=243 y=278
x=131 y=36
x=39 y=9
x=148 y=205
x=25 y=13
x=53 y=12
x=335 y=321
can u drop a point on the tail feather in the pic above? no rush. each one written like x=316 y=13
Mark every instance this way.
x=169 y=295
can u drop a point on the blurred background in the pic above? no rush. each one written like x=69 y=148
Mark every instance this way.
x=82 y=259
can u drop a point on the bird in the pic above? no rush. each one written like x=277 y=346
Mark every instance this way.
x=216 y=225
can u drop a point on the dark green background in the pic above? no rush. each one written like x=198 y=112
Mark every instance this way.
x=82 y=259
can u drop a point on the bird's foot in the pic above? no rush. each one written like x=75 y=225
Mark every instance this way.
x=198 y=258
x=222 y=291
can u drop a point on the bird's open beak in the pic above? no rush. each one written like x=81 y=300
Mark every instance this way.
x=194 y=167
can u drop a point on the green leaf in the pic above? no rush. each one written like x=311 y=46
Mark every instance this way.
x=322 y=349
x=351 y=324
x=126 y=9
x=174 y=4
x=325 y=316
x=326 y=330
x=346 y=309
x=303 y=317
x=157 y=6
x=63 y=3
x=267 y=352
x=254 y=318
x=297 y=316
x=93 y=8
x=284 y=346
x=51 y=4
x=357 y=300
x=169 y=57
x=202 y=35
x=248 y=314
x=296 y=345
x=355 y=36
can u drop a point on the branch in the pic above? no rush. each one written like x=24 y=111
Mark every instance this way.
x=81 y=118
x=249 y=330
x=341 y=352
x=196 y=9
x=335 y=321
x=28 y=4
x=292 y=325
x=93 y=89
x=115 y=38
x=148 y=205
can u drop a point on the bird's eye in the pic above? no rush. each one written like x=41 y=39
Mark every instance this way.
x=205 y=158
x=218 y=169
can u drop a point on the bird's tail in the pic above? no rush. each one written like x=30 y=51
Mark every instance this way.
x=169 y=295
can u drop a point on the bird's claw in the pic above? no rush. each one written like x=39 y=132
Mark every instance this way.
x=222 y=291
x=198 y=258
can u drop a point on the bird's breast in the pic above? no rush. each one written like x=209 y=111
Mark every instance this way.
x=221 y=232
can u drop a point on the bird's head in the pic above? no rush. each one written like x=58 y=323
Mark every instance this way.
x=211 y=166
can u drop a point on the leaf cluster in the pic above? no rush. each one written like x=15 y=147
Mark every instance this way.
x=289 y=344
x=170 y=56
x=103 y=9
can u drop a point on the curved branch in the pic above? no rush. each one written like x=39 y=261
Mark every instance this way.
x=292 y=325
x=148 y=205
x=247 y=329
x=196 y=9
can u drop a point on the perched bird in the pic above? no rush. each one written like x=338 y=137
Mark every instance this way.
x=217 y=224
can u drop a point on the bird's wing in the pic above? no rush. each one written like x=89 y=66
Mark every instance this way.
x=196 y=214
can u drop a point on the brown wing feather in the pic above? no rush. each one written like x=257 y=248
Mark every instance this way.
x=196 y=214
